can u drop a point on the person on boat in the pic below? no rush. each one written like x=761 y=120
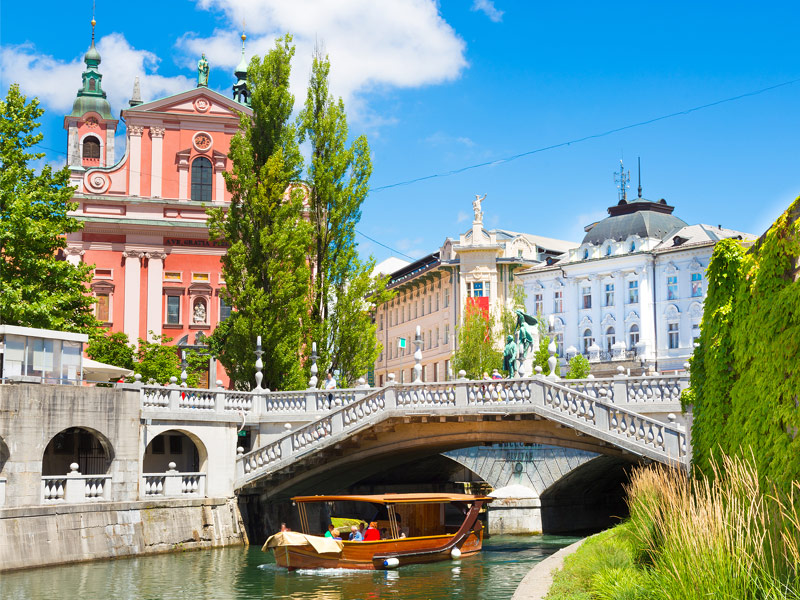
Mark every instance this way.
x=332 y=532
x=355 y=534
x=372 y=534
x=284 y=527
x=361 y=529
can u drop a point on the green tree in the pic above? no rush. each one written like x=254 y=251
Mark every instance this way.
x=579 y=367
x=37 y=287
x=266 y=270
x=156 y=361
x=476 y=353
x=112 y=349
x=542 y=354
x=344 y=295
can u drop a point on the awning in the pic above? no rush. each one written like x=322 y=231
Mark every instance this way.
x=94 y=370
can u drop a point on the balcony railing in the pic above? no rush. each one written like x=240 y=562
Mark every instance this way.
x=173 y=484
x=74 y=487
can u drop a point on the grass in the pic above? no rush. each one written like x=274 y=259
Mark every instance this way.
x=727 y=537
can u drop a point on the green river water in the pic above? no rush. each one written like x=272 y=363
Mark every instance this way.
x=248 y=573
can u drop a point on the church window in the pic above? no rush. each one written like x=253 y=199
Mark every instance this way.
x=202 y=173
x=173 y=310
x=91 y=148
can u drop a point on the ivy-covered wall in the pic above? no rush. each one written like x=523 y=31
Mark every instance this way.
x=745 y=375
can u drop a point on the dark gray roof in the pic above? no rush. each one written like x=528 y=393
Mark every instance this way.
x=641 y=217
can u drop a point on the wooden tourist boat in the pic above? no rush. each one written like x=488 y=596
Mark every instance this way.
x=414 y=526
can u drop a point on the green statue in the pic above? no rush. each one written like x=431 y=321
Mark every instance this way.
x=510 y=356
x=524 y=322
x=202 y=71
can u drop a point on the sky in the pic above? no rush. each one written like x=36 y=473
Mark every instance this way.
x=441 y=86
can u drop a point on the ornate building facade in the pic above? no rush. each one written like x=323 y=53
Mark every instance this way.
x=632 y=293
x=432 y=292
x=157 y=273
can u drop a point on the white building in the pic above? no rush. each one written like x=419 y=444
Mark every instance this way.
x=632 y=293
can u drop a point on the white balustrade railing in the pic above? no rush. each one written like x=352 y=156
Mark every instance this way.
x=286 y=402
x=173 y=484
x=655 y=388
x=571 y=407
x=75 y=488
x=418 y=395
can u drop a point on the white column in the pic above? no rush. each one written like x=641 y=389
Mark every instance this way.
x=132 y=295
x=135 y=174
x=619 y=305
x=156 y=160
x=155 y=307
x=646 y=300
x=74 y=158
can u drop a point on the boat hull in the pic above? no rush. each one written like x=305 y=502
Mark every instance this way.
x=370 y=555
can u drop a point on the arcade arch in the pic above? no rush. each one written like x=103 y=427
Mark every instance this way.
x=175 y=446
x=90 y=449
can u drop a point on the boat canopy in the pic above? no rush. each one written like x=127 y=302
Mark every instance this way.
x=397 y=498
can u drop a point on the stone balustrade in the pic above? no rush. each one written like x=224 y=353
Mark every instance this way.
x=74 y=487
x=173 y=484
x=597 y=415
x=175 y=398
x=649 y=389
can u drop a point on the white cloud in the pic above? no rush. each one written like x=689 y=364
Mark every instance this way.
x=372 y=45
x=411 y=247
x=56 y=81
x=462 y=216
x=489 y=9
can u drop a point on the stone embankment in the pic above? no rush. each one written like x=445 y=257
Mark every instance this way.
x=39 y=536
x=537 y=582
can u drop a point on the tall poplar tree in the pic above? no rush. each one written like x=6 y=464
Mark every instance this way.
x=38 y=288
x=344 y=293
x=266 y=270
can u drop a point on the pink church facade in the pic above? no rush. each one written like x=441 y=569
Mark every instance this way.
x=156 y=272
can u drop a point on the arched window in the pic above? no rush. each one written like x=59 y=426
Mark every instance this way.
x=633 y=336
x=202 y=174
x=91 y=148
x=587 y=340
x=610 y=338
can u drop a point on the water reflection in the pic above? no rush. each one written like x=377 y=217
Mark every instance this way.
x=248 y=574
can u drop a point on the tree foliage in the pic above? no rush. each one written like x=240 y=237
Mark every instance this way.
x=343 y=295
x=112 y=349
x=38 y=288
x=476 y=353
x=744 y=375
x=266 y=270
x=579 y=367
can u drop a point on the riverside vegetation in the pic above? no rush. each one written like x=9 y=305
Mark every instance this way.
x=732 y=530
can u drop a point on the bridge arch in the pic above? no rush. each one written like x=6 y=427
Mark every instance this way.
x=88 y=447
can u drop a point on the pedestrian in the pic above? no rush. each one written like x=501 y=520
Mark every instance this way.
x=496 y=374
x=330 y=384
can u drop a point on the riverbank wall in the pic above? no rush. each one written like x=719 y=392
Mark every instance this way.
x=48 y=535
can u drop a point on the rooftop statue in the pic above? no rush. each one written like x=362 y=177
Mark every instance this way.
x=202 y=71
x=476 y=207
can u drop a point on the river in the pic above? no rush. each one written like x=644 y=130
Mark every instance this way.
x=248 y=573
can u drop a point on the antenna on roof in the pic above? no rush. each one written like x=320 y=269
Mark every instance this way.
x=93 y=21
x=639 y=158
x=622 y=178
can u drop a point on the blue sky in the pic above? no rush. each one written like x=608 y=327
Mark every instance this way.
x=440 y=86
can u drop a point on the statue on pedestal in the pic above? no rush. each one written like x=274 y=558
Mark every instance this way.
x=476 y=207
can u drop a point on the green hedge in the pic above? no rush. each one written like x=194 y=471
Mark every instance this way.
x=745 y=374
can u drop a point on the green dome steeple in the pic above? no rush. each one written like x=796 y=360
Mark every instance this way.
x=91 y=96
x=240 y=92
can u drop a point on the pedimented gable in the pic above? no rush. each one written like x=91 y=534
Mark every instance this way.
x=198 y=101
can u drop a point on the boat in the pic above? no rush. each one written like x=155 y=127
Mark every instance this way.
x=414 y=531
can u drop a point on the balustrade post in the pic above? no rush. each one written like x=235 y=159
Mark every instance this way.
x=259 y=363
x=75 y=491
x=174 y=393
x=239 y=462
x=311 y=396
x=172 y=485
x=219 y=397
x=602 y=417
x=620 y=387
x=286 y=447
x=462 y=391
x=672 y=438
x=390 y=393
x=536 y=388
